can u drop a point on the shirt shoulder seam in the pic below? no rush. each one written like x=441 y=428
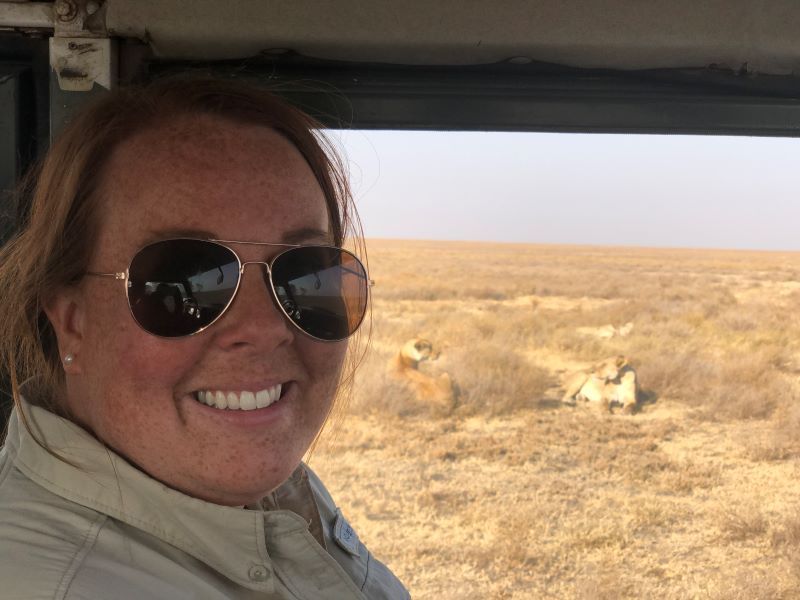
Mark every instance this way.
x=89 y=540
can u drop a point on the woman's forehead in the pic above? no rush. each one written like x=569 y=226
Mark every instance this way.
x=193 y=144
x=210 y=174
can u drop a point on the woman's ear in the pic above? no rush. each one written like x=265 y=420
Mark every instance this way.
x=65 y=311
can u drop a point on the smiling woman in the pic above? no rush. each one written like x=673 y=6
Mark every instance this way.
x=164 y=403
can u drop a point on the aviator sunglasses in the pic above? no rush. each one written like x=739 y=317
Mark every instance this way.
x=178 y=287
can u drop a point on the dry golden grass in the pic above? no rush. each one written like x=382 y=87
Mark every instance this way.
x=510 y=494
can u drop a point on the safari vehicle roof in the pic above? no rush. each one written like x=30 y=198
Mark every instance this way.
x=713 y=66
x=757 y=37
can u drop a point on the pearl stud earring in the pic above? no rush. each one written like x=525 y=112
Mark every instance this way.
x=69 y=359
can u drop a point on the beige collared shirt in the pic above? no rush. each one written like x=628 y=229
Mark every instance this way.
x=101 y=528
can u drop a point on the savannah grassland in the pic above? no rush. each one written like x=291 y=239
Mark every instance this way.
x=510 y=494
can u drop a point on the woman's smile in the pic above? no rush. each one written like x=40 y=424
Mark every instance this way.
x=241 y=408
x=242 y=400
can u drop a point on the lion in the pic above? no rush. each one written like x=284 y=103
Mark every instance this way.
x=624 y=390
x=412 y=353
x=437 y=390
x=609 y=383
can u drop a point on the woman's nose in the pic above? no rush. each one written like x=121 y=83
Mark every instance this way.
x=253 y=319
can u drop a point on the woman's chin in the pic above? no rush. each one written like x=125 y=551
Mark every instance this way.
x=242 y=491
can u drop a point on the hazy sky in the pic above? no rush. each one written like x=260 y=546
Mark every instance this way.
x=643 y=190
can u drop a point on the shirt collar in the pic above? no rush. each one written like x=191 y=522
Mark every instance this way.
x=99 y=479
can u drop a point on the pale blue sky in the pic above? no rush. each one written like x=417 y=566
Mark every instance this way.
x=642 y=190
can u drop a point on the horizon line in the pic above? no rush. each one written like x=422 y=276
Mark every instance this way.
x=582 y=245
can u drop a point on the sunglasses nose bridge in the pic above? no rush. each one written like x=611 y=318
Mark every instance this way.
x=256 y=262
x=253 y=262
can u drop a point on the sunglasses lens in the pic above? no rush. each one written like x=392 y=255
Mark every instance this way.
x=322 y=290
x=177 y=287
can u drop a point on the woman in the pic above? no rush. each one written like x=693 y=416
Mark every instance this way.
x=177 y=307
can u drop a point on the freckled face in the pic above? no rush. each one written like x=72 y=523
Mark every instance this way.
x=135 y=391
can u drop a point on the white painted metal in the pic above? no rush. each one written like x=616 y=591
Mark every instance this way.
x=26 y=15
x=79 y=63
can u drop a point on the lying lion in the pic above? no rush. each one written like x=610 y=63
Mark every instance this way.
x=611 y=382
x=412 y=353
x=624 y=390
x=438 y=391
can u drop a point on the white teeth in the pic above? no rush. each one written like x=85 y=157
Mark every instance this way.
x=245 y=400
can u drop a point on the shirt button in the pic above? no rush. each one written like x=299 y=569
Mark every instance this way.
x=258 y=573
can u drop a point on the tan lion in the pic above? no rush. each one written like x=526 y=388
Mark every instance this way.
x=624 y=390
x=437 y=390
x=611 y=382
x=411 y=354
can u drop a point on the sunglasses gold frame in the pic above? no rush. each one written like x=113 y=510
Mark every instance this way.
x=124 y=275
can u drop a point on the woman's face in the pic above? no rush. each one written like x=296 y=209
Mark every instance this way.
x=206 y=177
